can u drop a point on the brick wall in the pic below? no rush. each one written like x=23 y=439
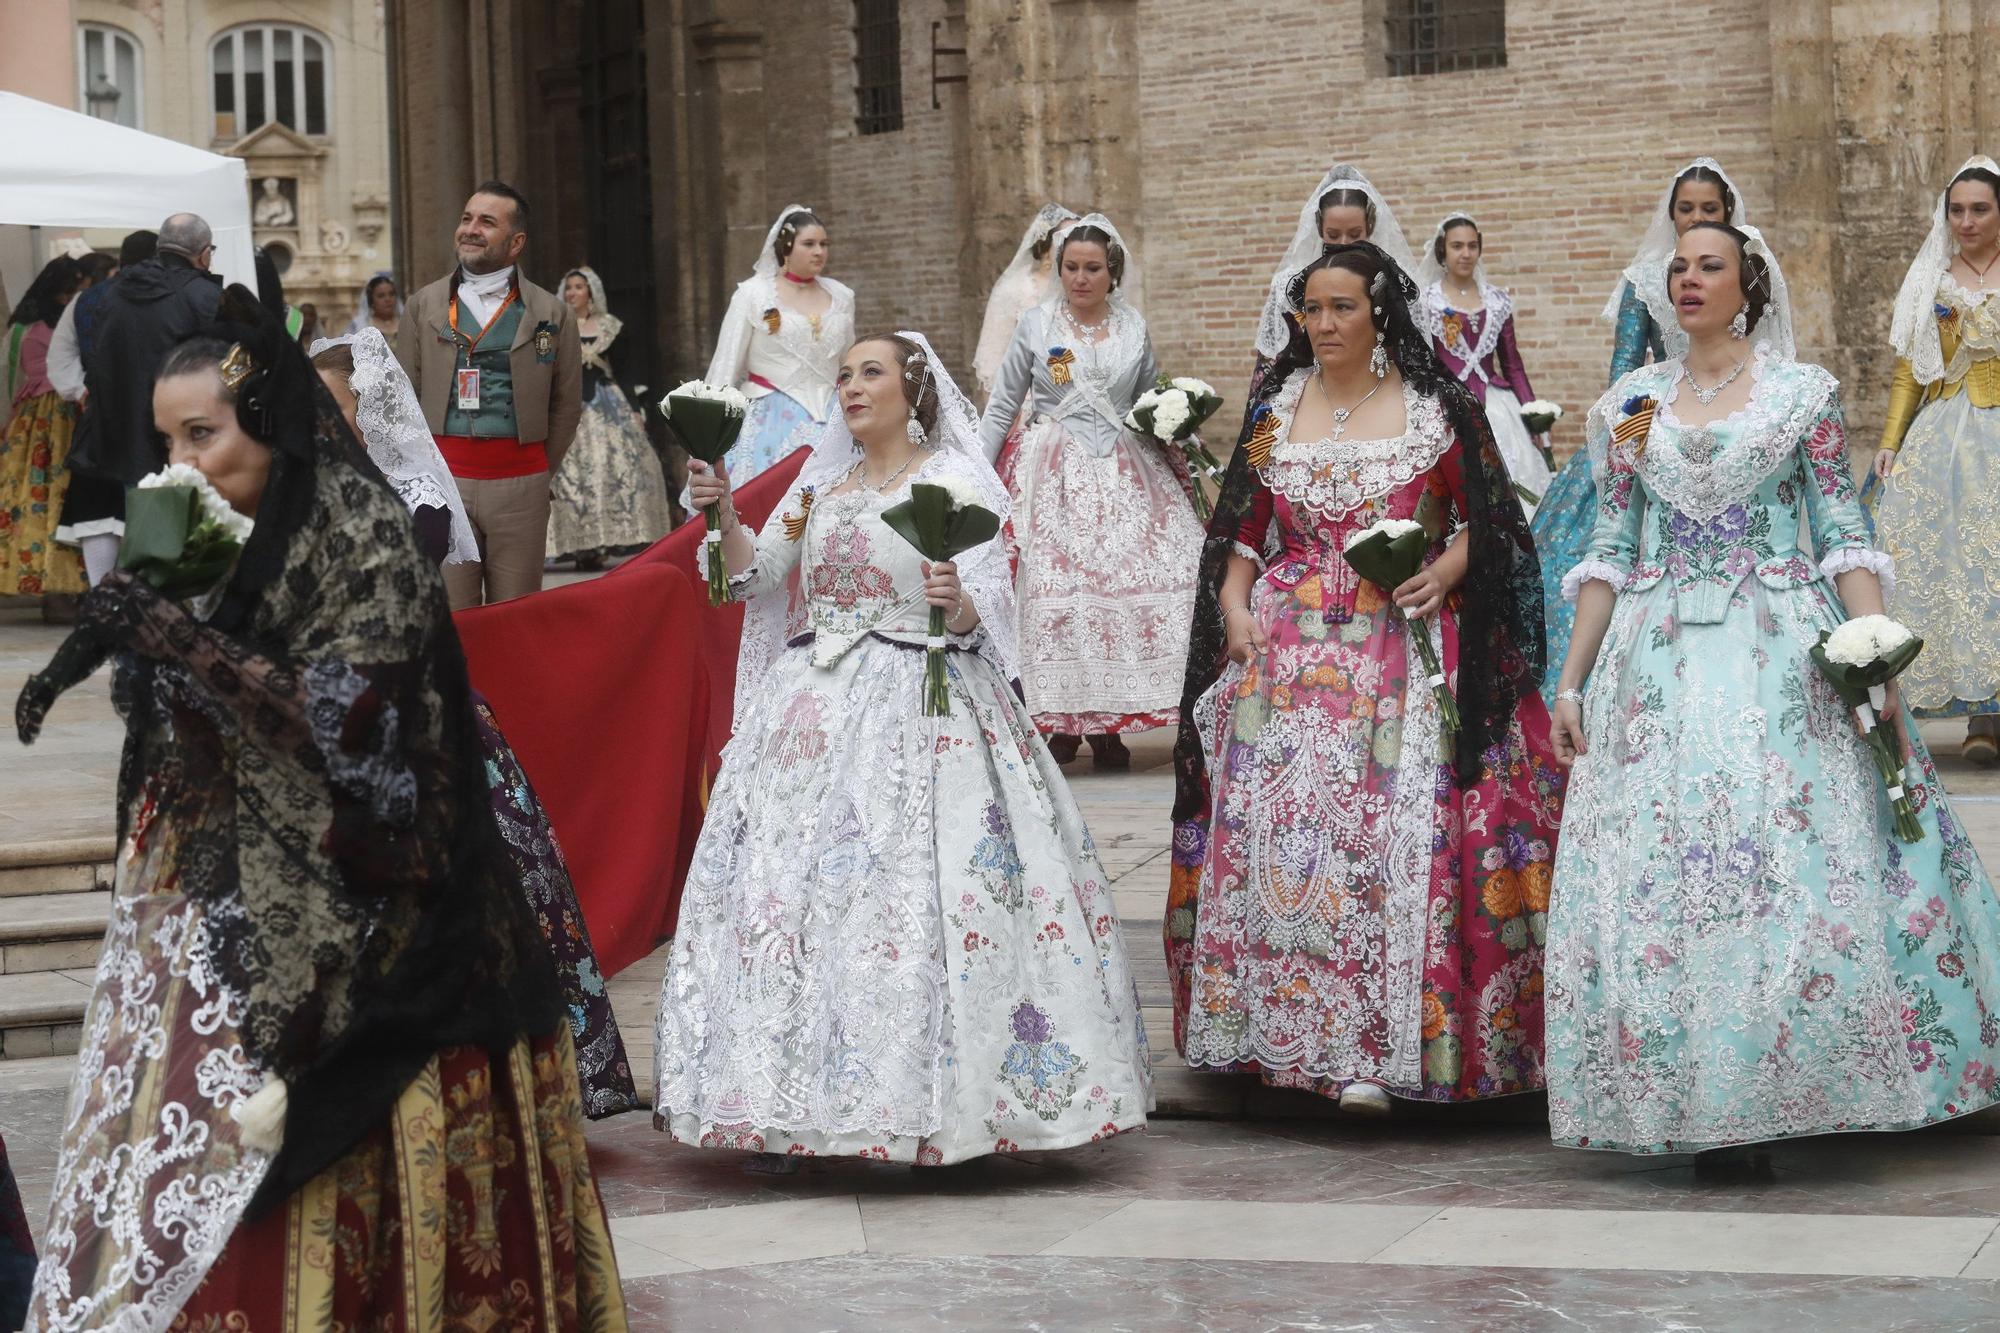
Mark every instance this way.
x=1561 y=156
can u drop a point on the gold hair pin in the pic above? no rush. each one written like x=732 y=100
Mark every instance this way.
x=236 y=367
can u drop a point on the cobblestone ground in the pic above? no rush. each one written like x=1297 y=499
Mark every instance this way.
x=1238 y=1208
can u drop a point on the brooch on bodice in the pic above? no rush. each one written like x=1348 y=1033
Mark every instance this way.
x=795 y=524
x=1060 y=360
x=1635 y=422
x=1263 y=437
x=1699 y=445
x=772 y=319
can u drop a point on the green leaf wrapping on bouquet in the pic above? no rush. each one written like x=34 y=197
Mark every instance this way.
x=170 y=544
x=705 y=427
x=1430 y=513
x=928 y=522
x=1389 y=563
x=1852 y=683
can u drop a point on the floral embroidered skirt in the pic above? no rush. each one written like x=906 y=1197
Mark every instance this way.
x=609 y=495
x=896 y=939
x=1108 y=554
x=1344 y=912
x=1939 y=518
x=776 y=426
x=1564 y=522
x=34 y=474
x=537 y=859
x=1740 y=948
x=473 y=1207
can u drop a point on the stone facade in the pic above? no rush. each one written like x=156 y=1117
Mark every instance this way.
x=336 y=183
x=1198 y=128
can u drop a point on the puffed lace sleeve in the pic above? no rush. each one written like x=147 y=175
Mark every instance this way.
x=775 y=556
x=1010 y=387
x=732 y=342
x=1833 y=512
x=1614 y=542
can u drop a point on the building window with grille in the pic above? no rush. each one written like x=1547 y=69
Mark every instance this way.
x=1444 y=36
x=878 y=67
x=267 y=72
x=107 y=74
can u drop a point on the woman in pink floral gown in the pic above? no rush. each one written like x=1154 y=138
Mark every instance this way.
x=1358 y=903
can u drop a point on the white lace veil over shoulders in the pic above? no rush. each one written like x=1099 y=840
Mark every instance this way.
x=1018 y=288
x=398 y=441
x=772 y=618
x=1775 y=327
x=1647 y=273
x=1273 y=328
x=1913 y=329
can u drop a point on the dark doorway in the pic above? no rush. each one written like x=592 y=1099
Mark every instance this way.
x=617 y=184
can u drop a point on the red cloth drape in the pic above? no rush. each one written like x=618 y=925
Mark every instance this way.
x=615 y=696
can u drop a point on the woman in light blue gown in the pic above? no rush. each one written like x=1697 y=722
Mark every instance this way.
x=1739 y=947
x=1701 y=191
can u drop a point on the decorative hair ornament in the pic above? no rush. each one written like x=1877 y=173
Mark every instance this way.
x=1376 y=283
x=795 y=524
x=236 y=367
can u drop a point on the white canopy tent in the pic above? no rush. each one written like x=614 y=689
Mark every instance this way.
x=61 y=168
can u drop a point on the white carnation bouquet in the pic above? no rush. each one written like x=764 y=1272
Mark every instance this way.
x=181 y=536
x=1388 y=553
x=1538 y=414
x=1859 y=659
x=1172 y=411
x=705 y=420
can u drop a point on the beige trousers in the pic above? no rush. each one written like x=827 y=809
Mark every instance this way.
x=510 y=517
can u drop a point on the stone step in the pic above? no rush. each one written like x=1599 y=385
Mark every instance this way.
x=50 y=932
x=60 y=865
x=41 y=1013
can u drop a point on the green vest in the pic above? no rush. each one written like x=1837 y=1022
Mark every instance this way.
x=494 y=360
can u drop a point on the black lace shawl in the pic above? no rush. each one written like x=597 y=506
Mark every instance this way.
x=319 y=753
x=1500 y=631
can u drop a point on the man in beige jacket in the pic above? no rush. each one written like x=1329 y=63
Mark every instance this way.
x=496 y=365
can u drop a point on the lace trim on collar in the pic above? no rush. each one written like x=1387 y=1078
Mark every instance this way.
x=1333 y=478
x=1499 y=309
x=1703 y=470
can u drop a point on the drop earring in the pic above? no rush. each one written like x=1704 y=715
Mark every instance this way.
x=1740 y=326
x=1378 y=360
x=914 y=428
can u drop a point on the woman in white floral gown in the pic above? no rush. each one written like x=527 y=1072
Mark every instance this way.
x=896 y=939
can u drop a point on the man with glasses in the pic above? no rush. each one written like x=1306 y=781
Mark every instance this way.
x=153 y=305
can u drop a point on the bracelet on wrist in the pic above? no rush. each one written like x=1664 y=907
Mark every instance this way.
x=1570 y=696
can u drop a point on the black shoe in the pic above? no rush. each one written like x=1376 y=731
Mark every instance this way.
x=1063 y=748
x=1109 y=752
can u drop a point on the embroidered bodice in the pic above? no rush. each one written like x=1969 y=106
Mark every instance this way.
x=766 y=346
x=1723 y=502
x=1477 y=345
x=1315 y=495
x=856 y=574
x=1104 y=378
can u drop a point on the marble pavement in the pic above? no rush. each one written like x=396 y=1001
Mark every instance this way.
x=1239 y=1208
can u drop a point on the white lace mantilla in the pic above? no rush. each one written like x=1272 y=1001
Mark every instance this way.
x=1332 y=478
x=152 y=1177
x=1698 y=471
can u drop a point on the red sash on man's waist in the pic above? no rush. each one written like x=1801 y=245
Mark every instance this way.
x=478 y=458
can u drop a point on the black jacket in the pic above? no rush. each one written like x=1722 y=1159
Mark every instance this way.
x=149 y=308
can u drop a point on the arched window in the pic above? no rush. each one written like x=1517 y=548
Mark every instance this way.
x=263 y=72
x=107 y=74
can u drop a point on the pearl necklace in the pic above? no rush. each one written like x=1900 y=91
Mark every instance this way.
x=1707 y=396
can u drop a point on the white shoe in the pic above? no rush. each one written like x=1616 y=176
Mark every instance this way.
x=1364 y=1099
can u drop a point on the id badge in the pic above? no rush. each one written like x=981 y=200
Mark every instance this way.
x=468 y=389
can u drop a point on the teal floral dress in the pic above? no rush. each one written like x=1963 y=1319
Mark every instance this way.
x=1568 y=512
x=1739 y=948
